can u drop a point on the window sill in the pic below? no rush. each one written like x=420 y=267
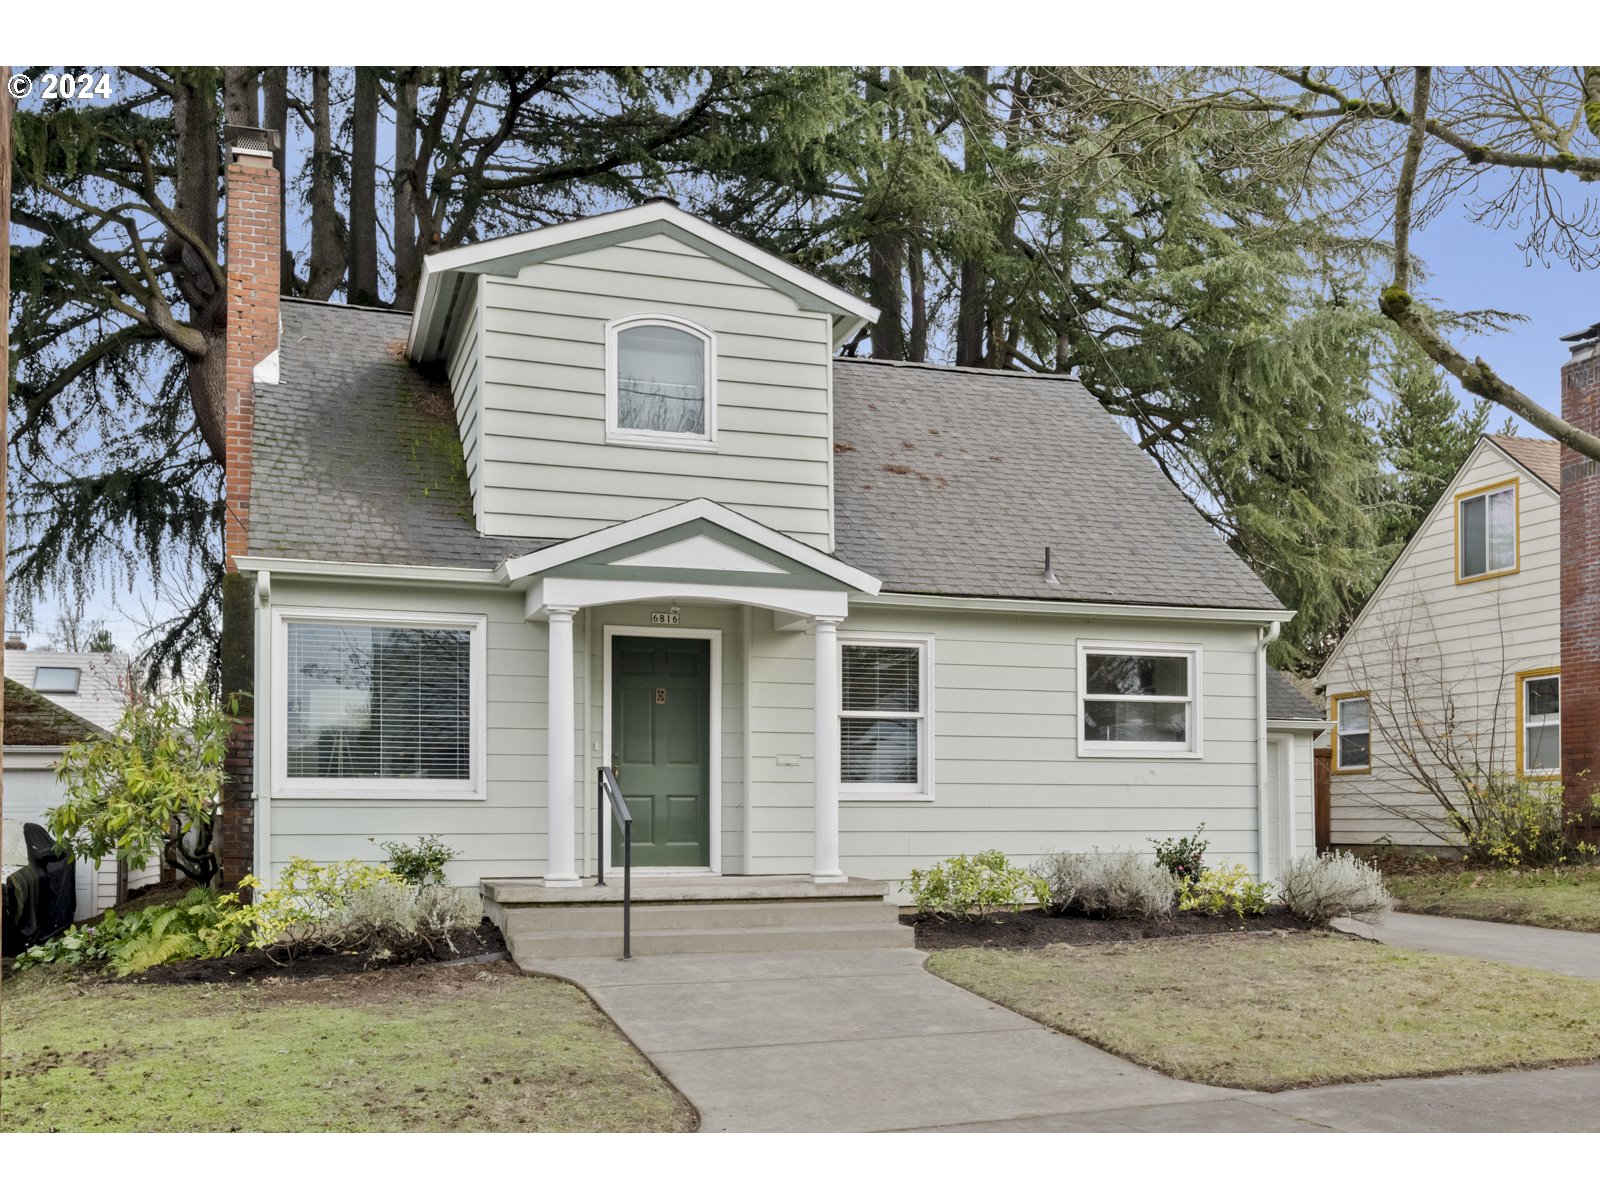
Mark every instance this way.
x=646 y=442
x=1140 y=751
x=885 y=797
x=430 y=795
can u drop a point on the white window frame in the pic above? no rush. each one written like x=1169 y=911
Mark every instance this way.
x=77 y=680
x=299 y=788
x=1195 y=748
x=922 y=790
x=1525 y=720
x=616 y=434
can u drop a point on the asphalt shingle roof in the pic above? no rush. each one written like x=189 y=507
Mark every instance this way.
x=948 y=481
x=1542 y=456
x=32 y=720
x=1286 y=702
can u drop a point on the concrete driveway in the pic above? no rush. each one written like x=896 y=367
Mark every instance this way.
x=869 y=1040
x=1560 y=950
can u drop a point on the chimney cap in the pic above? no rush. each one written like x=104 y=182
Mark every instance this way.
x=14 y=640
x=246 y=139
x=1591 y=334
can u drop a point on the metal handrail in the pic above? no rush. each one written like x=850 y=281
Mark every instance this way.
x=611 y=793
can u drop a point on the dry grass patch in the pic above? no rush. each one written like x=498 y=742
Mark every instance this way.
x=406 y=1049
x=1278 y=1011
x=1551 y=897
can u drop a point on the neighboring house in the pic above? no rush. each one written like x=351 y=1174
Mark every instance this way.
x=609 y=497
x=1458 y=651
x=92 y=684
x=38 y=728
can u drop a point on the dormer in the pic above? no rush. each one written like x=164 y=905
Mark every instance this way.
x=610 y=367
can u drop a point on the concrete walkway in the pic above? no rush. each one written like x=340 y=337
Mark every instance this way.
x=1563 y=951
x=869 y=1040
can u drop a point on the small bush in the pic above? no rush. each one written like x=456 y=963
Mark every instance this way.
x=1182 y=856
x=1221 y=890
x=1119 y=884
x=306 y=910
x=394 y=921
x=963 y=887
x=421 y=864
x=1510 y=821
x=198 y=926
x=1338 y=884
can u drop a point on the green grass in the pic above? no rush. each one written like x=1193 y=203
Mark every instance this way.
x=1271 y=1012
x=407 y=1049
x=1552 y=897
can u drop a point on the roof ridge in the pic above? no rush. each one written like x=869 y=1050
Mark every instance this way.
x=1046 y=376
x=377 y=308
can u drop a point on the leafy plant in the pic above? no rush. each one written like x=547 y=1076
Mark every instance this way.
x=1182 y=856
x=153 y=785
x=1338 y=884
x=421 y=864
x=389 y=921
x=1221 y=890
x=306 y=910
x=965 y=887
x=1511 y=821
x=1119 y=884
x=197 y=926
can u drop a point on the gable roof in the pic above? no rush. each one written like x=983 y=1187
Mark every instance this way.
x=441 y=291
x=952 y=481
x=99 y=699
x=1541 y=457
x=1286 y=702
x=1018 y=462
x=32 y=720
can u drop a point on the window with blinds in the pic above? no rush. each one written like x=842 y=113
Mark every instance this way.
x=378 y=702
x=660 y=381
x=883 y=716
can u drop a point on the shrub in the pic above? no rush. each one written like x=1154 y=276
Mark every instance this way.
x=964 y=887
x=1221 y=890
x=421 y=864
x=1511 y=821
x=1338 y=884
x=1182 y=856
x=198 y=926
x=393 y=921
x=306 y=910
x=1119 y=884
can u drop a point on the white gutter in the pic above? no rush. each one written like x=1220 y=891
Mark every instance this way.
x=387 y=572
x=1263 y=800
x=1077 y=608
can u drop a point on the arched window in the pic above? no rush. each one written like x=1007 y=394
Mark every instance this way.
x=660 y=383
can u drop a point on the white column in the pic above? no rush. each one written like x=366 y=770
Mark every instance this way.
x=825 y=753
x=561 y=867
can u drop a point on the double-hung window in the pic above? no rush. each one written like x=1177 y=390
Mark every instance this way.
x=885 y=717
x=1486 y=532
x=1539 y=722
x=661 y=383
x=1138 y=700
x=378 y=705
x=1352 y=733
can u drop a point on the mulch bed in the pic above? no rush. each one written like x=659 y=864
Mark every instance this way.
x=1033 y=928
x=251 y=966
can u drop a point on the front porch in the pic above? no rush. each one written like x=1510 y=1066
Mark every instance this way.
x=693 y=914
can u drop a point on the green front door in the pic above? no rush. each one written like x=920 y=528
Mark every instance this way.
x=661 y=748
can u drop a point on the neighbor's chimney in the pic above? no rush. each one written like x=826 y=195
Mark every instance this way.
x=1580 y=576
x=253 y=243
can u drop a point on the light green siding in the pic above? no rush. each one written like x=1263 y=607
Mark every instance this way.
x=529 y=380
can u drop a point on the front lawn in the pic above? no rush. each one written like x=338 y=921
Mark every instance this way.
x=404 y=1049
x=1553 y=897
x=1278 y=1011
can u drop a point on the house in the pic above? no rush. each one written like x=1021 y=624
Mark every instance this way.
x=609 y=497
x=40 y=722
x=1464 y=631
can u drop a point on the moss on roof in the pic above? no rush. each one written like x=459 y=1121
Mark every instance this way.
x=32 y=720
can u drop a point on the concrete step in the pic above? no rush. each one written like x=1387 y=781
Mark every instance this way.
x=680 y=889
x=530 y=948
x=595 y=918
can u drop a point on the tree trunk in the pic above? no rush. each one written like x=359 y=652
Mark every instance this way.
x=916 y=270
x=275 y=87
x=327 y=239
x=972 y=282
x=6 y=104
x=407 y=260
x=241 y=96
x=886 y=290
x=364 y=190
x=196 y=201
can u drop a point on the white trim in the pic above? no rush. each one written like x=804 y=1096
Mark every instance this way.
x=616 y=434
x=463 y=257
x=540 y=561
x=1191 y=650
x=922 y=790
x=1076 y=608
x=591 y=593
x=474 y=788
x=294 y=568
x=714 y=747
x=1282 y=745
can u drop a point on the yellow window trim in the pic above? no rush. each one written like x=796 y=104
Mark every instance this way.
x=1333 y=715
x=1515 y=484
x=1522 y=724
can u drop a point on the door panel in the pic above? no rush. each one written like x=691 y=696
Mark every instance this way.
x=661 y=748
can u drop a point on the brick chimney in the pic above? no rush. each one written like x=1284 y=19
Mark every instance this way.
x=1580 y=576
x=253 y=243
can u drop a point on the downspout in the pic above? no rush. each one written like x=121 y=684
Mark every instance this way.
x=263 y=732
x=1263 y=800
